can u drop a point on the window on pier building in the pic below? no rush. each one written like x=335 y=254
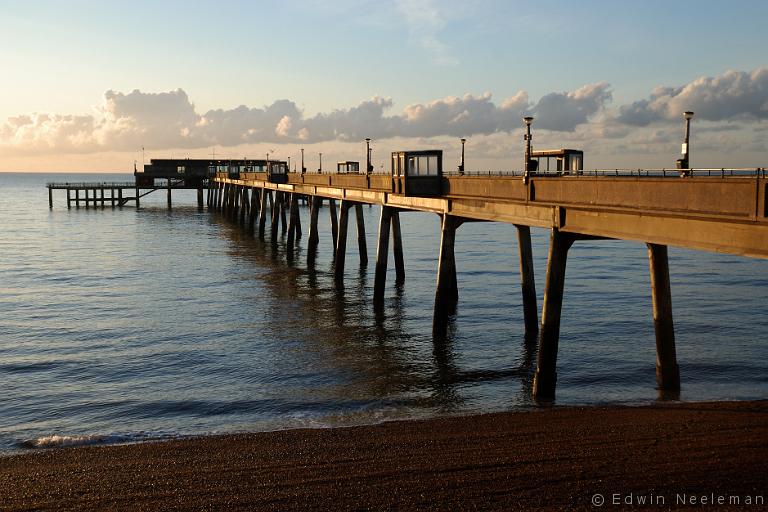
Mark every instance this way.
x=424 y=165
x=180 y=169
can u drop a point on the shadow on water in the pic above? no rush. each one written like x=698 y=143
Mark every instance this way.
x=355 y=333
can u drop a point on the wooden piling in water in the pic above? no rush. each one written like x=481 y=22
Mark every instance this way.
x=200 y=205
x=314 y=210
x=382 y=253
x=169 y=194
x=334 y=222
x=254 y=209
x=245 y=206
x=527 y=282
x=545 y=380
x=276 y=214
x=447 y=291
x=667 y=371
x=119 y=198
x=50 y=198
x=263 y=211
x=341 y=242
x=69 y=200
x=293 y=202
x=138 y=198
x=361 y=243
x=283 y=208
x=397 y=247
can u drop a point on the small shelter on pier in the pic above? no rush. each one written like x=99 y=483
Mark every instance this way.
x=417 y=173
x=559 y=161
x=186 y=172
x=348 y=167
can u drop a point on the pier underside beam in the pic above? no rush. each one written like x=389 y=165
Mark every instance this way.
x=667 y=371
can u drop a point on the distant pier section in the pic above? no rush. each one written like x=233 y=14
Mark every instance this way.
x=160 y=174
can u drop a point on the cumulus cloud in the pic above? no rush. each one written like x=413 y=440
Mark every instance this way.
x=731 y=95
x=564 y=111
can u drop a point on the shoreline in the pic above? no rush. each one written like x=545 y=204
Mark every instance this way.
x=553 y=458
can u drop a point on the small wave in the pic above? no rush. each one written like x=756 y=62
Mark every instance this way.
x=57 y=441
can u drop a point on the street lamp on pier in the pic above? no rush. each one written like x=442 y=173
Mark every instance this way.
x=684 y=164
x=303 y=169
x=320 y=169
x=461 y=165
x=368 y=166
x=528 y=120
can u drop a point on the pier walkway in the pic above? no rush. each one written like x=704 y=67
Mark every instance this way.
x=711 y=209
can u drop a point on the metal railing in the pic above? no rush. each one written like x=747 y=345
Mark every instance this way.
x=92 y=184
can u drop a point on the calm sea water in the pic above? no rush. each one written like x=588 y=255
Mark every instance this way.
x=120 y=325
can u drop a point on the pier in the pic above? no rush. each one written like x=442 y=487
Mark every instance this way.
x=720 y=210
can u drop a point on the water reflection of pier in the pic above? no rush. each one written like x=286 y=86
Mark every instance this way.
x=371 y=343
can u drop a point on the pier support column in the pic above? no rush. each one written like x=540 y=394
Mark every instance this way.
x=447 y=292
x=397 y=241
x=293 y=220
x=276 y=214
x=169 y=195
x=50 y=198
x=314 y=210
x=527 y=282
x=112 y=197
x=119 y=198
x=263 y=211
x=298 y=218
x=87 y=205
x=245 y=206
x=334 y=222
x=382 y=253
x=254 y=210
x=667 y=371
x=200 y=197
x=341 y=242
x=361 y=243
x=69 y=200
x=283 y=207
x=545 y=380
x=138 y=198
x=77 y=198
x=101 y=195
x=236 y=193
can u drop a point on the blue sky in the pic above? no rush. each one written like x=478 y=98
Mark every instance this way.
x=61 y=57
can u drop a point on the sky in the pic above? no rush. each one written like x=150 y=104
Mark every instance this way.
x=87 y=85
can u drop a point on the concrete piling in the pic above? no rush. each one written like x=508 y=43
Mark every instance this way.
x=382 y=253
x=527 y=282
x=341 y=242
x=361 y=243
x=667 y=371
x=545 y=380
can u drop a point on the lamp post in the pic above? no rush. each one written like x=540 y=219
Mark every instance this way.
x=303 y=169
x=320 y=170
x=684 y=163
x=461 y=165
x=368 y=168
x=528 y=120
x=289 y=164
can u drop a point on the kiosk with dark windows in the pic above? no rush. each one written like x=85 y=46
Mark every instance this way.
x=278 y=171
x=558 y=161
x=417 y=173
x=348 y=167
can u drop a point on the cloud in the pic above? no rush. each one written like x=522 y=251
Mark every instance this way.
x=731 y=95
x=425 y=22
x=564 y=111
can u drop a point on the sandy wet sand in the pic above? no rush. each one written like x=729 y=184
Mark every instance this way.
x=557 y=458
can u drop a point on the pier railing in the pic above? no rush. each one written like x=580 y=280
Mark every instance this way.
x=91 y=184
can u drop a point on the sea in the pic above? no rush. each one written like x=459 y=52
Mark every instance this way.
x=128 y=325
